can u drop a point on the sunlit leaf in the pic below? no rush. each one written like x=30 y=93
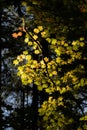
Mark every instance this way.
x=54 y=72
x=58 y=59
x=54 y=41
x=36 y=30
x=30 y=43
x=83 y=118
x=46 y=59
x=35 y=37
x=26 y=40
x=28 y=57
x=58 y=51
x=30 y=81
x=15 y=62
x=25 y=52
x=40 y=28
x=37 y=52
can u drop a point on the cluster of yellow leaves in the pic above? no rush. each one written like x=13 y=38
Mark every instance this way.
x=48 y=75
x=46 y=72
x=34 y=41
x=19 y=59
x=52 y=118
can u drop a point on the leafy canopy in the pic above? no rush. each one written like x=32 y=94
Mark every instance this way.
x=56 y=62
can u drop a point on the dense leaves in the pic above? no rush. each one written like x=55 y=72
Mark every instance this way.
x=55 y=62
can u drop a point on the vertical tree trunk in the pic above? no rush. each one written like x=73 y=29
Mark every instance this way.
x=22 y=97
x=35 y=108
x=1 y=120
x=22 y=116
x=43 y=97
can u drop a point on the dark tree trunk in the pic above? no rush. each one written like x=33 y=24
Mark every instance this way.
x=22 y=110
x=1 y=120
x=43 y=97
x=35 y=108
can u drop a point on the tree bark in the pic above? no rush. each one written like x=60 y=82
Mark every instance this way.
x=35 y=108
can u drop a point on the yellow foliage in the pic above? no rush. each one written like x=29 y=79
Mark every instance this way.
x=54 y=41
x=15 y=62
x=35 y=46
x=37 y=52
x=29 y=81
x=48 y=39
x=25 y=52
x=28 y=57
x=30 y=43
x=84 y=118
x=81 y=38
x=40 y=28
x=43 y=34
x=58 y=59
x=28 y=70
x=46 y=59
x=26 y=40
x=74 y=43
x=35 y=37
x=36 y=30
x=50 y=75
x=54 y=72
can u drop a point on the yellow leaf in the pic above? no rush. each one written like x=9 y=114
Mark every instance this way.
x=50 y=98
x=35 y=37
x=30 y=43
x=48 y=39
x=24 y=3
x=63 y=90
x=68 y=88
x=44 y=85
x=26 y=40
x=81 y=38
x=37 y=52
x=29 y=80
x=54 y=41
x=54 y=73
x=35 y=62
x=58 y=51
x=15 y=62
x=36 y=30
x=40 y=28
x=28 y=57
x=28 y=69
x=83 y=118
x=43 y=33
x=42 y=62
x=74 y=43
x=60 y=98
x=46 y=59
x=58 y=59
x=23 y=76
x=35 y=46
x=20 y=68
x=81 y=44
x=25 y=52
x=21 y=57
x=60 y=104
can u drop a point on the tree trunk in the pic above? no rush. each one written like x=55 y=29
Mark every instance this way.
x=35 y=108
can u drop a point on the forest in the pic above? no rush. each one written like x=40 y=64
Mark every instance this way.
x=43 y=65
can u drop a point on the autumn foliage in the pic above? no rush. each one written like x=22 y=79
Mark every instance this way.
x=61 y=73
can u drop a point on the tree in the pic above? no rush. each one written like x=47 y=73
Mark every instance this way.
x=55 y=61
